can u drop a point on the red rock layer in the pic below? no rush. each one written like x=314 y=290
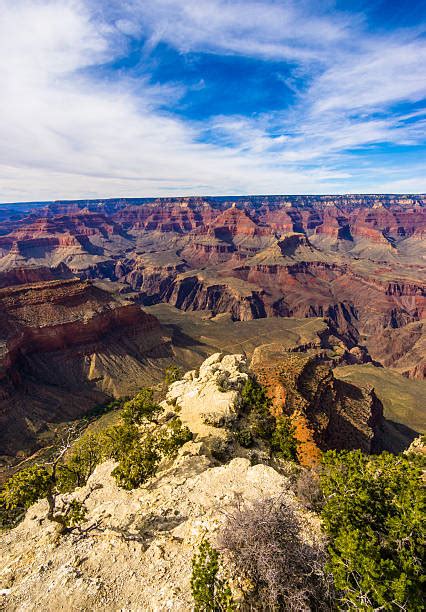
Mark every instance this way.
x=356 y=259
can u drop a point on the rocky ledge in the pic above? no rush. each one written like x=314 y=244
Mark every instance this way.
x=136 y=547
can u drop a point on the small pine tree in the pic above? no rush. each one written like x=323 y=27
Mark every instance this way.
x=138 y=464
x=36 y=482
x=141 y=408
x=84 y=456
x=173 y=437
x=210 y=592
x=283 y=442
x=118 y=440
x=374 y=516
x=172 y=374
x=74 y=514
x=27 y=486
x=257 y=405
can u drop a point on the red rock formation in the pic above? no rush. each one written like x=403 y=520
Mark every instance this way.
x=66 y=345
x=196 y=293
x=328 y=413
x=357 y=260
x=30 y=275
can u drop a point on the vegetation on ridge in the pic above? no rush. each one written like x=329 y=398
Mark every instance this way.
x=131 y=443
x=374 y=516
x=257 y=421
x=210 y=591
x=367 y=555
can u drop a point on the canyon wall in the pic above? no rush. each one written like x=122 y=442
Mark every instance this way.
x=356 y=260
x=65 y=346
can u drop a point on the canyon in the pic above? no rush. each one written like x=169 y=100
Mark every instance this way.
x=66 y=346
x=357 y=261
x=98 y=297
x=138 y=546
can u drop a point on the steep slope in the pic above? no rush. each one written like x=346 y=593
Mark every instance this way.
x=327 y=412
x=136 y=547
x=403 y=399
x=66 y=345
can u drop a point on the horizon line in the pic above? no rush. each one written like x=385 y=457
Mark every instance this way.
x=225 y=196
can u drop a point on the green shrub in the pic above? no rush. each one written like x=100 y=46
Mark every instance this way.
x=253 y=395
x=141 y=408
x=257 y=405
x=119 y=440
x=283 y=441
x=86 y=454
x=210 y=592
x=26 y=487
x=172 y=374
x=74 y=514
x=137 y=464
x=244 y=437
x=374 y=515
x=173 y=437
x=36 y=482
x=10 y=517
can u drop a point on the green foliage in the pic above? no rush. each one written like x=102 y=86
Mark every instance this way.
x=257 y=405
x=244 y=437
x=139 y=454
x=30 y=484
x=374 y=515
x=210 y=592
x=85 y=455
x=173 y=437
x=118 y=440
x=10 y=517
x=137 y=464
x=74 y=514
x=25 y=487
x=141 y=408
x=283 y=442
x=253 y=396
x=172 y=374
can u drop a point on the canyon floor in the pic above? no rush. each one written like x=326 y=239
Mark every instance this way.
x=98 y=297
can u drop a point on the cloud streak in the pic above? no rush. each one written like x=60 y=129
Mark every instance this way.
x=71 y=127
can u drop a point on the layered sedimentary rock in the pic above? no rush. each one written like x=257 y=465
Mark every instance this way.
x=357 y=260
x=66 y=345
x=196 y=292
x=327 y=412
x=33 y=274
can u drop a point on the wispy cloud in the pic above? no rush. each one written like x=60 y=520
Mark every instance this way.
x=70 y=128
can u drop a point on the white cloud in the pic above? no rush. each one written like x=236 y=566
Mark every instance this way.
x=289 y=30
x=65 y=133
x=385 y=74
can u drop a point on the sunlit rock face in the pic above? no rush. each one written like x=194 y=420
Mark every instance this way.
x=137 y=546
x=356 y=260
x=65 y=346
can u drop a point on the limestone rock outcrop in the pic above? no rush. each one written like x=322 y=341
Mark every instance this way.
x=210 y=398
x=136 y=547
x=138 y=557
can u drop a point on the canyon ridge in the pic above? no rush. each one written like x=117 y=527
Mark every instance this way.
x=98 y=297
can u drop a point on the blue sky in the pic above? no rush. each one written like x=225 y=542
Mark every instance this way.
x=181 y=97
